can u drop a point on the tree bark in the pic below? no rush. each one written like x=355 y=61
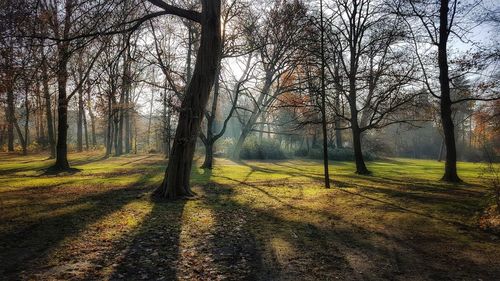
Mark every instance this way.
x=209 y=156
x=176 y=181
x=450 y=167
x=62 y=100
x=358 y=152
x=62 y=113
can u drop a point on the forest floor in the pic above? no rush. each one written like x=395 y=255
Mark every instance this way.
x=249 y=221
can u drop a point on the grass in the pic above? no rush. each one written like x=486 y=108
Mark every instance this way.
x=250 y=221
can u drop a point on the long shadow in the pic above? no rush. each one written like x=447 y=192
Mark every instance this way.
x=29 y=244
x=152 y=253
x=137 y=160
x=43 y=170
x=243 y=242
x=232 y=246
x=438 y=195
x=299 y=173
x=312 y=251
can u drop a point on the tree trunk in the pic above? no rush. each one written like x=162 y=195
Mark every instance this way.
x=85 y=130
x=116 y=131
x=10 y=119
x=323 y=104
x=148 y=140
x=358 y=152
x=26 y=140
x=62 y=115
x=79 y=128
x=338 y=131
x=209 y=156
x=209 y=143
x=62 y=100
x=176 y=181
x=48 y=108
x=247 y=128
x=109 y=131
x=119 y=132
x=239 y=144
x=126 y=119
x=450 y=167
x=22 y=140
x=92 y=119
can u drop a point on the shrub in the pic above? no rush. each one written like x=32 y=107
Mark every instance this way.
x=35 y=147
x=301 y=152
x=266 y=149
x=335 y=154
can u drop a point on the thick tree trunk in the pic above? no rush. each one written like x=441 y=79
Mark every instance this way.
x=450 y=168
x=356 y=139
x=356 y=133
x=62 y=115
x=176 y=181
x=352 y=99
x=358 y=152
x=62 y=99
x=209 y=156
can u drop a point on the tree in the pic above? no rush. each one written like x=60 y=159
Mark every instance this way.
x=323 y=99
x=232 y=47
x=369 y=68
x=439 y=20
x=176 y=181
x=277 y=41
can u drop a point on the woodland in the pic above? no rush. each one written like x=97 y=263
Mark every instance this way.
x=249 y=140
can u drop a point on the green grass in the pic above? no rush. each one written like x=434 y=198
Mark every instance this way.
x=250 y=220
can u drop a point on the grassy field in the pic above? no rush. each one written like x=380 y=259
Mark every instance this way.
x=249 y=221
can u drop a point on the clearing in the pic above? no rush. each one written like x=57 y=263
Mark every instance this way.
x=250 y=221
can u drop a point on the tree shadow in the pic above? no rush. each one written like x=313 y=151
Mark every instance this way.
x=46 y=169
x=30 y=243
x=153 y=251
x=261 y=243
